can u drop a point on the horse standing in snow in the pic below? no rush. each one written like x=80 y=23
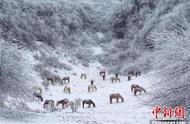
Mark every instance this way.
x=132 y=73
x=133 y=86
x=114 y=79
x=54 y=80
x=139 y=89
x=49 y=104
x=102 y=72
x=137 y=73
x=75 y=104
x=63 y=102
x=67 y=78
x=92 y=88
x=89 y=102
x=116 y=96
x=83 y=76
x=67 y=89
x=38 y=95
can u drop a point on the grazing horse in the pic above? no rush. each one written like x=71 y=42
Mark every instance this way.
x=83 y=76
x=63 y=102
x=54 y=79
x=37 y=89
x=137 y=73
x=116 y=96
x=75 y=104
x=132 y=73
x=92 y=88
x=112 y=79
x=67 y=89
x=67 y=78
x=49 y=103
x=102 y=72
x=38 y=95
x=50 y=79
x=89 y=102
x=133 y=86
x=139 y=89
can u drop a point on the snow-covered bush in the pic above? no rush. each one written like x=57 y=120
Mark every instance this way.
x=13 y=78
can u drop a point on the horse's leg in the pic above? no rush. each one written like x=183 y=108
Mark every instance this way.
x=89 y=104
x=110 y=100
x=117 y=100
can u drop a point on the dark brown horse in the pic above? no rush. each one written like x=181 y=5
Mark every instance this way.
x=63 y=102
x=116 y=96
x=38 y=95
x=67 y=78
x=50 y=79
x=132 y=73
x=89 y=102
x=137 y=73
x=102 y=72
x=133 y=86
x=139 y=89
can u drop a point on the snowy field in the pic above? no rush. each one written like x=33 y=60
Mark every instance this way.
x=132 y=111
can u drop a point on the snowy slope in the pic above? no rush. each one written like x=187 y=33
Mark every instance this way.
x=132 y=111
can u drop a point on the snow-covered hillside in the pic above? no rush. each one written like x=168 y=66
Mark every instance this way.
x=131 y=111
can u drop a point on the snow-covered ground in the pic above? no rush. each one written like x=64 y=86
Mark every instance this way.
x=132 y=111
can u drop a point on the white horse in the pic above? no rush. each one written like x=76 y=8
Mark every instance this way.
x=75 y=104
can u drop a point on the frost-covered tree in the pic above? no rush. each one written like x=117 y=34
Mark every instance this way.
x=12 y=77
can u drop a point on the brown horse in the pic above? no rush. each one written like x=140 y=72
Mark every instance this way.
x=67 y=78
x=63 y=102
x=89 y=102
x=83 y=76
x=116 y=96
x=139 y=89
x=132 y=73
x=133 y=86
x=112 y=79
x=54 y=79
x=67 y=89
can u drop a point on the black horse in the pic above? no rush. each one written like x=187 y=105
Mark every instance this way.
x=38 y=95
x=89 y=102
x=63 y=102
